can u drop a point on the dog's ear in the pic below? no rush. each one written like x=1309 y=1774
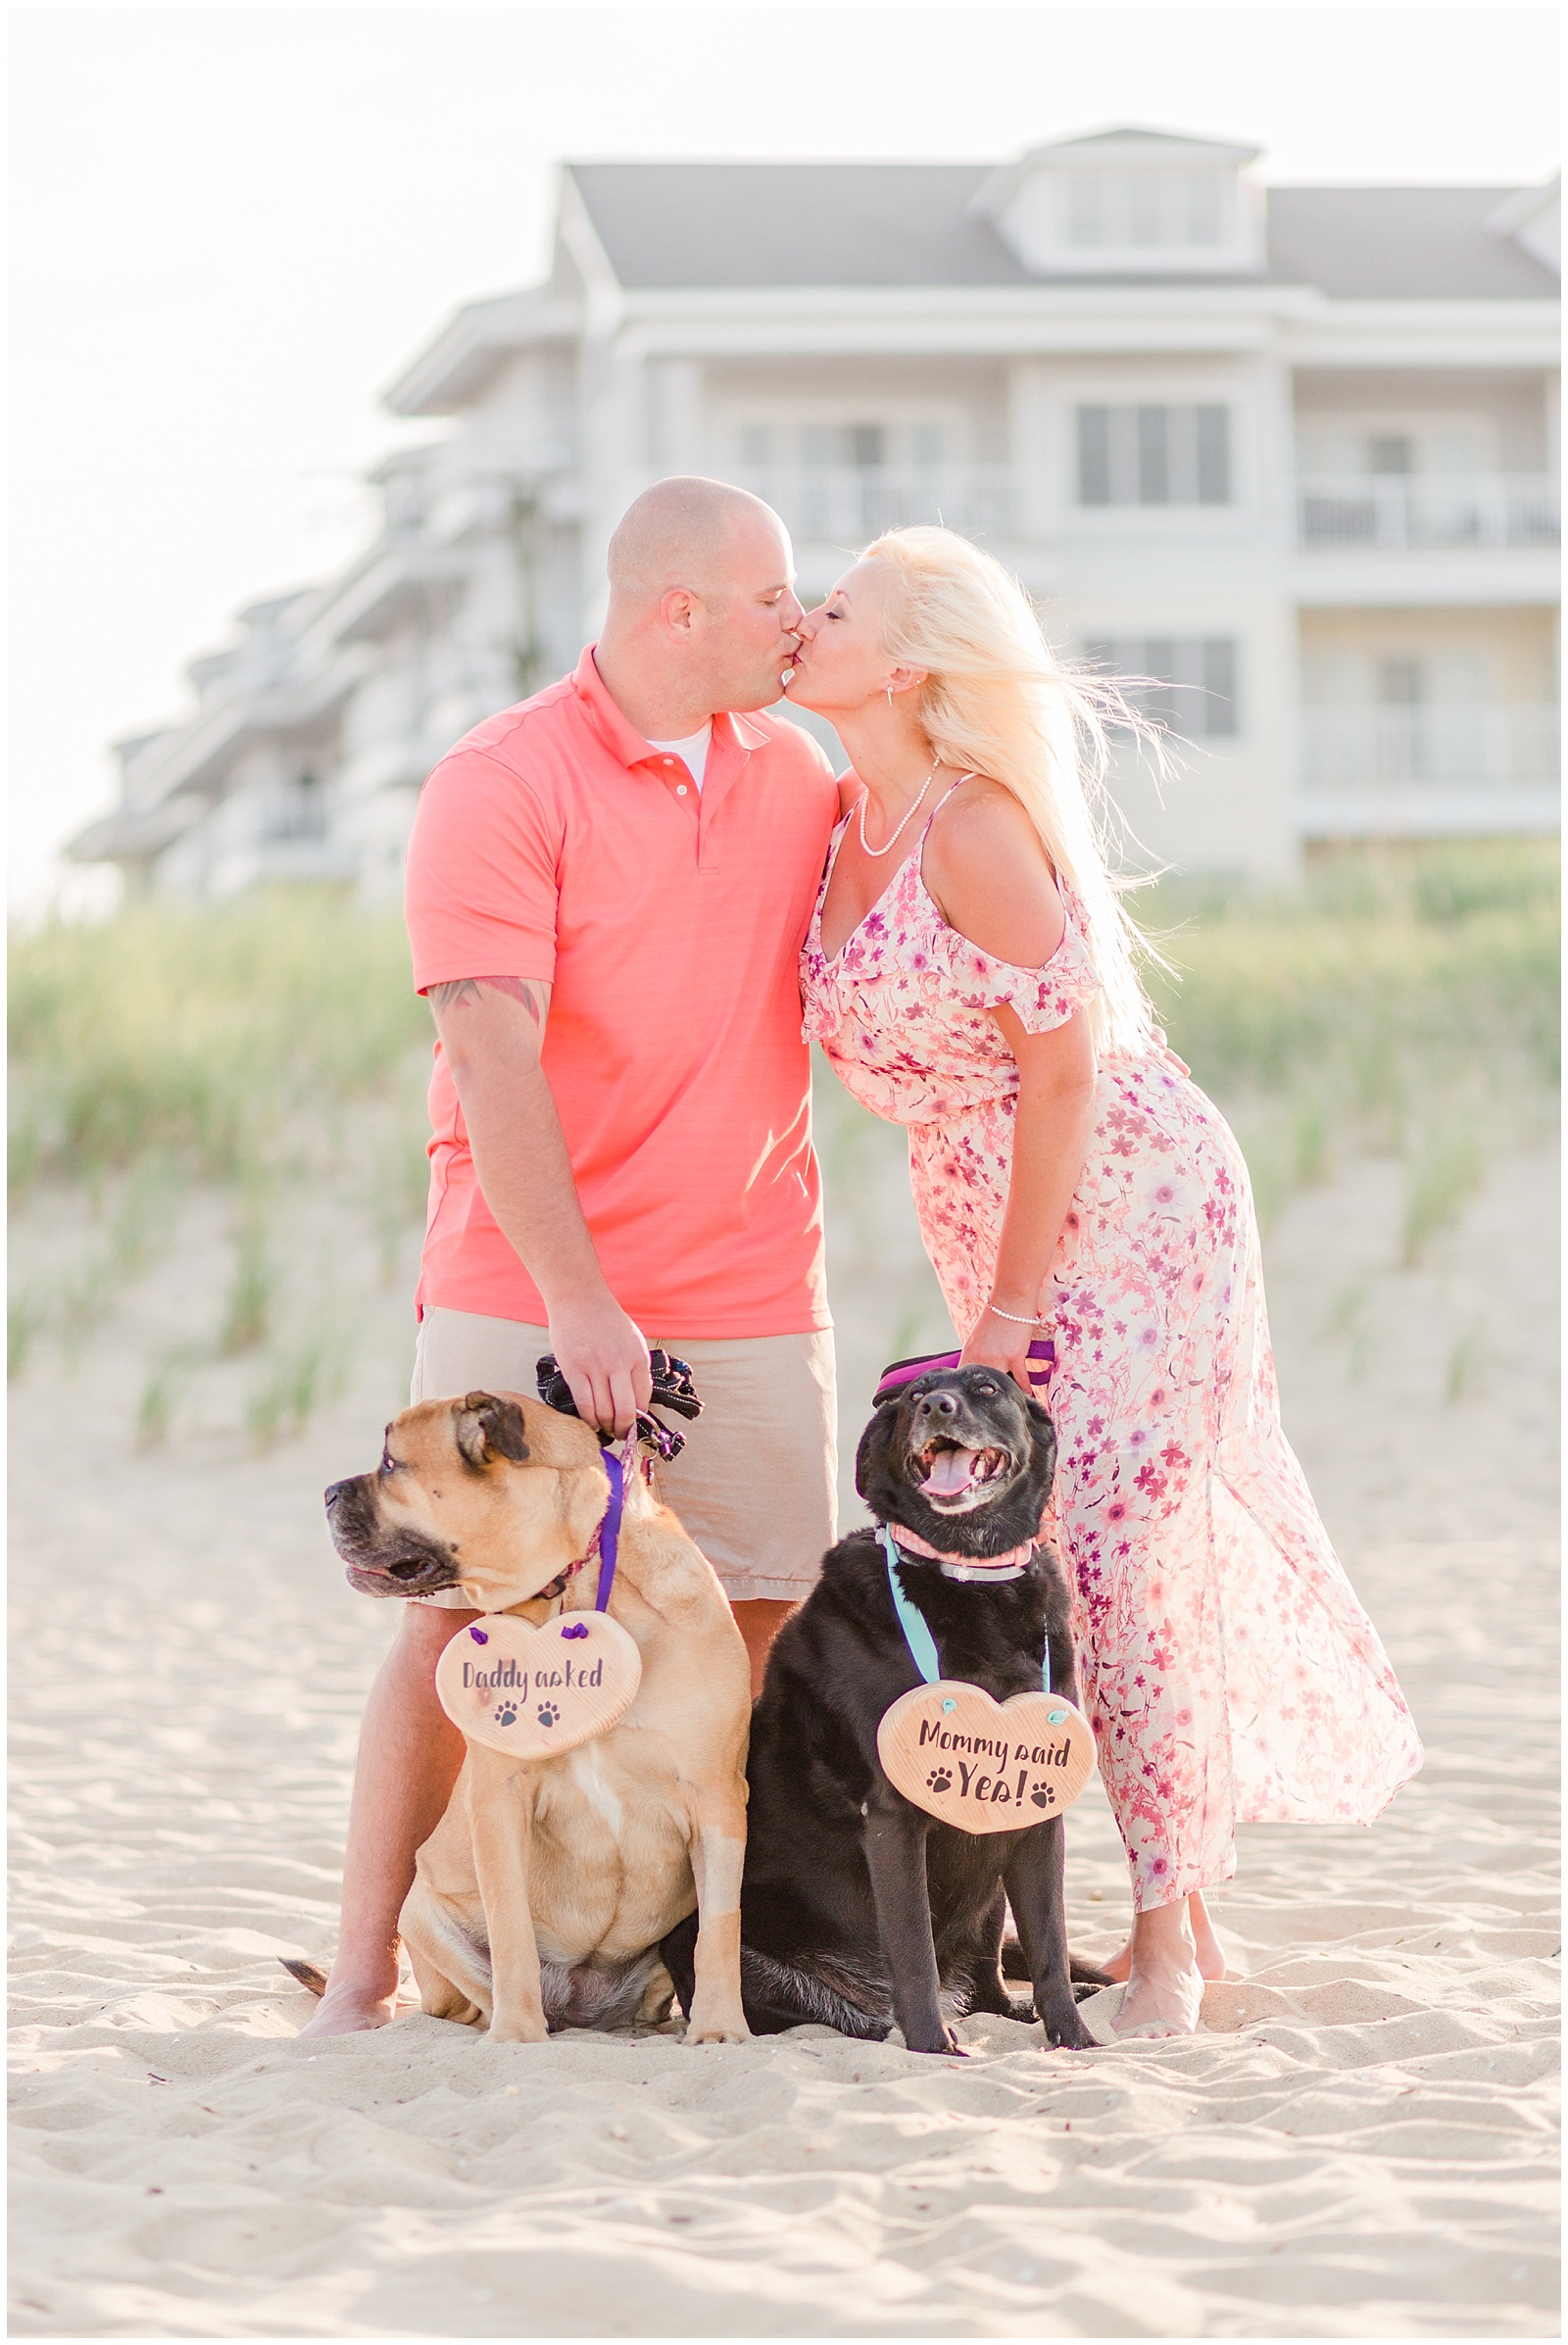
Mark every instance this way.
x=876 y=1445
x=1045 y=1432
x=488 y=1428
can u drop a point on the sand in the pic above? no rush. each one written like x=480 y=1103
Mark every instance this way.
x=1360 y=2143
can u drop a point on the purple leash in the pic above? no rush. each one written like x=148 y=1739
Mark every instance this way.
x=1042 y=1360
x=607 y=1538
x=609 y=1528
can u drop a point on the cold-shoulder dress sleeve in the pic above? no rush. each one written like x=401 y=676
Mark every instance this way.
x=1041 y=998
x=903 y=1011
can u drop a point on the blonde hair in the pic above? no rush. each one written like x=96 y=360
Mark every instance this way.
x=997 y=700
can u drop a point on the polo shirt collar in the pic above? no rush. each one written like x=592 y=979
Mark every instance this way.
x=621 y=737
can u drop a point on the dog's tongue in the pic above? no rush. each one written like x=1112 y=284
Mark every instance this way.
x=952 y=1472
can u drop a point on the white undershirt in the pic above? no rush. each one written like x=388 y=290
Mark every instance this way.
x=692 y=752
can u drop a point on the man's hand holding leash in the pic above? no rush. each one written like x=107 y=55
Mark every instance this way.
x=602 y=1356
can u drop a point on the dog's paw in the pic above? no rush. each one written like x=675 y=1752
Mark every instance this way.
x=548 y=1714
x=506 y=1715
x=523 y=2029
x=1067 y=2032
x=939 y=1779
x=716 y=2032
x=944 y=2046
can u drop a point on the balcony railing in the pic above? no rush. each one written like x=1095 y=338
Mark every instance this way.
x=847 y=503
x=1433 y=509
x=1460 y=746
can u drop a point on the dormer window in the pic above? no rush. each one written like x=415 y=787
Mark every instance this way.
x=1142 y=211
x=1129 y=203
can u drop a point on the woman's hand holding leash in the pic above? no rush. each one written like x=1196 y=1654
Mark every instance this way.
x=1001 y=1341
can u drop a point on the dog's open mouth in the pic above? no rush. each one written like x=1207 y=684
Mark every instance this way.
x=950 y=1475
x=405 y=1575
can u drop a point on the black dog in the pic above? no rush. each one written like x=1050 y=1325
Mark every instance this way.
x=858 y=1907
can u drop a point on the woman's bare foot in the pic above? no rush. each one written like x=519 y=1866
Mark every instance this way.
x=349 y=2008
x=1210 y=1952
x=1165 y=1988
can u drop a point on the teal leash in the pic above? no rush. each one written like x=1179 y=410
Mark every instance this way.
x=916 y=1633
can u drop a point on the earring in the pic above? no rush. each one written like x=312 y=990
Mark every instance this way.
x=890 y=696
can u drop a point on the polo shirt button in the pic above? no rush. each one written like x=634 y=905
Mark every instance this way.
x=680 y=789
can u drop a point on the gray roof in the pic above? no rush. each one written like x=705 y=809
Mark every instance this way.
x=1432 y=243
x=707 y=225
x=698 y=225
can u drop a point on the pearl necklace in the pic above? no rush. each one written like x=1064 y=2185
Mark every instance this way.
x=877 y=852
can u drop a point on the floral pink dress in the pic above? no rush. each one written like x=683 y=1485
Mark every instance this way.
x=1228 y=1669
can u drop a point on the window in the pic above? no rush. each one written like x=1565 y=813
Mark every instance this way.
x=1396 y=453
x=1154 y=456
x=1391 y=452
x=925 y=442
x=863 y=444
x=299 y=810
x=1402 y=684
x=1147 y=210
x=1190 y=686
x=1212 y=429
x=1093 y=456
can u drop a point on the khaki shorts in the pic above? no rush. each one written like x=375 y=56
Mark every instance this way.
x=756 y=1483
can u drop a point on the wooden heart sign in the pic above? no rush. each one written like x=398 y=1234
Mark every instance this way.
x=535 y=1691
x=982 y=1765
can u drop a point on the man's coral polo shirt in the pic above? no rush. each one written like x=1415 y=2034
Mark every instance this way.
x=553 y=843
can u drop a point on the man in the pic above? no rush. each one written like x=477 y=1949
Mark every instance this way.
x=608 y=890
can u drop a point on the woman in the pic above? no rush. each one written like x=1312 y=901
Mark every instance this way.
x=971 y=974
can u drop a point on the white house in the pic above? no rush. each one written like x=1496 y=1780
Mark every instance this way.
x=1289 y=451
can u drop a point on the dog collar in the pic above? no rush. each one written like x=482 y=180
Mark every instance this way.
x=558 y=1585
x=1010 y=1566
x=916 y=1629
x=606 y=1541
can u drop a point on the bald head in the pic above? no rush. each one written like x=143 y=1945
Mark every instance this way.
x=701 y=609
x=689 y=532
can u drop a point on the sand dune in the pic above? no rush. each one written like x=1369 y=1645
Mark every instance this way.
x=1358 y=2144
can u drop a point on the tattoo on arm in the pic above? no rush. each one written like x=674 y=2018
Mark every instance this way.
x=533 y=995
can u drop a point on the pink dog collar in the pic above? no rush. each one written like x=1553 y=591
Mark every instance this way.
x=1010 y=1566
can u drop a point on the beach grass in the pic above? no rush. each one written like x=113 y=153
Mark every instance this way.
x=168 y=1375
x=1383 y=966
x=204 y=1034
x=293 y=1383
x=1401 y=1000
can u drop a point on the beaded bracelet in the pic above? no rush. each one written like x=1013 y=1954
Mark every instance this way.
x=1012 y=1317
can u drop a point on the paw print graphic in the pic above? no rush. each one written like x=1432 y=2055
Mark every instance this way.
x=506 y=1715
x=548 y=1714
x=939 y=1779
x=1044 y=1795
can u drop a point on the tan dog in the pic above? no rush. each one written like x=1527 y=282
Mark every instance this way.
x=544 y=1891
